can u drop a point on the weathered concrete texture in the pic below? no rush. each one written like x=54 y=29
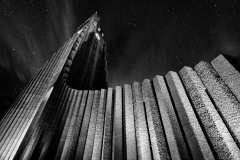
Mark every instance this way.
x=224 y=100
x=158 y=142
x=143 y=143
x=176 y=144
x=216 y=130
x=84 y=128
x=75 y=124
x=196 y=140
x=129 y=125
x=98 y=139
x=117 y=150
x=228 y=73
x=92 y=127
x=108 y=128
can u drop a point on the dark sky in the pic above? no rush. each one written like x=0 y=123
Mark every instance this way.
x=144 y=37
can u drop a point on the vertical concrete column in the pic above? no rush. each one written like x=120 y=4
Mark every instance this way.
x=55 y=124
x=72 y=135
x=219 y=136
x=66 y=126
x=61 y=119
x=107 y=137
x=224 y=100
x=84 y=128
x=77 y=127
x=195 y=137
x=158 y=142
x=92 y=127
x=117 y=150
x=98 y=139
x=177 y=146
x=228 y=73
x=143 y=143
x=129 y=124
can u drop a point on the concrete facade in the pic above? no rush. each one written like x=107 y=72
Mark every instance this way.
x=67 y=111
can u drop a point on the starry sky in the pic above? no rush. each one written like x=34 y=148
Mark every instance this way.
x=144 y=37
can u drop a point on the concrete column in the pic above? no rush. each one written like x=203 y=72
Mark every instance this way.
x=61 y=119
x=129 y=125
x=143 y=143
x=155 y=128
x=70 y=115
x=92 y=127
x=225 y=101
x=75 y=126
x=117 y=150
x=98 y=139
x=84 y=128
x=55 y=123
x=176 y=144
x=196 y=140
x=219 y=136
x=228 y=73
x=108 y=128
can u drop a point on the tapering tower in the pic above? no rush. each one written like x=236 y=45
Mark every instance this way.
x=26 y=130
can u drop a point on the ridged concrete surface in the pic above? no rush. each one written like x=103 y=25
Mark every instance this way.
x=185 y=116
x=217 y=132
x=228 y=73
x=224 y=99
x=197 y=142
x=195 y=115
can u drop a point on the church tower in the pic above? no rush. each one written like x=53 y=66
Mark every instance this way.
x=67 y=111
x=38 y=114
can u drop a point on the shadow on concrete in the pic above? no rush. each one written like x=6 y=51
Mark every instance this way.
x=235 y=61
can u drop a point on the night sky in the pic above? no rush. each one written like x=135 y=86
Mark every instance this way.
x=144 y=38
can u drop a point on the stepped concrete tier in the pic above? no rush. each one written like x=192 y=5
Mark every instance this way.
x=129 y=124
x=67 y=111
x=220 y=139
x=197 y=142
x=174 y=135
x=225 y=101
x=142 y=135
x=228 y=73
x=117 y=152
x=156 y=133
